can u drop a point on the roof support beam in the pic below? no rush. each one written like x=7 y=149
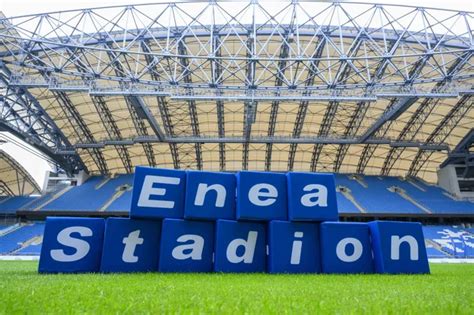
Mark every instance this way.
x=461 y=153
x=392 y=113
x=216 y=70
x=113 y=131
x=383 y=129
x=250 y=107
x=4 y=189
x=168 y=125
x=342 y=75
x=303 y=106
x=80 y=127
x=34 y=126
x=279 y=77
x=135 y=105
x=22 y=176
x=442 y=131
x=412 y=127
x=143 y=111
x=362 y=107
x=105 y=115
x=282 y=140
x=186 y=74
x=162 y=104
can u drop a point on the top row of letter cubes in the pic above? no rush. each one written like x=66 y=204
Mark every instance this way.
x=255 y=196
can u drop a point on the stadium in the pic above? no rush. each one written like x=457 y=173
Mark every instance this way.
x=380 y=95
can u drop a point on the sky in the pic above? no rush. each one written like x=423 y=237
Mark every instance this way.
x=38 y=167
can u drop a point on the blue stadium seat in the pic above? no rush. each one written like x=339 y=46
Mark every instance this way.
x=12 y=204
x=372 y=193
x=33 y=249
x=33 y=205
x=344 y=205
x=435 y=253
x=90 y=196
x=376 y=198
x=13 y=240
x=434 y=198
x=455 y=241
x=122 y=203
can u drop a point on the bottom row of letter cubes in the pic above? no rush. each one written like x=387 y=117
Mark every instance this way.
x=175 y=245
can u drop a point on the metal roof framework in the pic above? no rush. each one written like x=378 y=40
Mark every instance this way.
x=14 y=179
x=300 y=85
x=463 y=155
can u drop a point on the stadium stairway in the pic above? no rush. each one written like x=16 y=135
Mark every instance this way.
x=30 y=247
x=8 y=228
x=346 y=201
x=373 y=195
x=405 y=196
x=433 y=250
x=120 y=201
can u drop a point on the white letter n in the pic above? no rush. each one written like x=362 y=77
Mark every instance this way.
x=395 y=247
x=204 y=188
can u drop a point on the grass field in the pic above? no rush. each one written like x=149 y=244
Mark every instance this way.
x=449 y=289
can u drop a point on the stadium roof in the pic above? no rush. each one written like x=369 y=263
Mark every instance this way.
x=14 y=179
x=310 y=86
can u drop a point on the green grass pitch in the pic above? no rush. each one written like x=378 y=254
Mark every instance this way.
x=448 y=290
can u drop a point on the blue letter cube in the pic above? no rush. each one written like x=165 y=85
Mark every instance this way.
x=239 y=246
x=71 y=245
x=186 y=246
x=399 y=247
x=293 y=247
x=158 y=193
x=346 y=248
x=130 y=245
x=261 y=196
x=209 y=196
x=311 y=197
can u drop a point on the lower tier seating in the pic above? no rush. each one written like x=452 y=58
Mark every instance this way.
x=453 y=240
x=442 y=241
x=14 y=239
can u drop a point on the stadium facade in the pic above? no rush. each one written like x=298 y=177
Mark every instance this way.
x=349 y=88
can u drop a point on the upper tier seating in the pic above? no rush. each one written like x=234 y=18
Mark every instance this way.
x=434 y=198
x=14 y=239
x=122 y=203
x=373 y=194
x=455 y=241
x=376 y=198
x=11 y=204
x=344 y=205
x=90 y=196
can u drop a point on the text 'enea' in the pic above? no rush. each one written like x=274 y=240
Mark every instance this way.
x=190 y=221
